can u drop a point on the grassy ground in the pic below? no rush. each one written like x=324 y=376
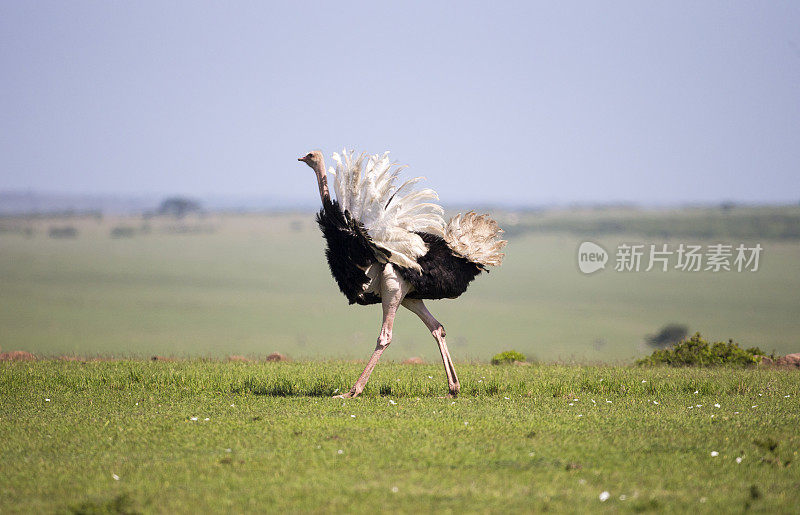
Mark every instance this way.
x=253 y=284
x=122 y=435
x=719 y=222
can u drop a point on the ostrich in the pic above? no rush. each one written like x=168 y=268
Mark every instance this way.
x=390 y=245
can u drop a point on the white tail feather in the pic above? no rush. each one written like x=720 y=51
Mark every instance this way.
x=476 y=237
x=390 y=215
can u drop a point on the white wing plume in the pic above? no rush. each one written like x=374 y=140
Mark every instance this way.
x=476 y=237
x=365 y=187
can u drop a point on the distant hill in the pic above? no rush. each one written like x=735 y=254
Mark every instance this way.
x=31 y=202
x=28 y=202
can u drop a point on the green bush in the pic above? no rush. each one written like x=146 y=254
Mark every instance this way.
x=668 y=335
x=508 y=356
x=698 y=352
x=758 y=352
x=123 y=231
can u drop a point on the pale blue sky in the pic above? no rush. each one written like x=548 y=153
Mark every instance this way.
x=495 y=102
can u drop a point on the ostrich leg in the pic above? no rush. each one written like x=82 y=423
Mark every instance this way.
x=437 y=330
x=393 y=289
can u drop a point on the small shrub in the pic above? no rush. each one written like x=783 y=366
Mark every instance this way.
x=178 y=207
x=696 y=351
x=66 y=231
x=122 y=231
x=668 y=335
x=506 y=357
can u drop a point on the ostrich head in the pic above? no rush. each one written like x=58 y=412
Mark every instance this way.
x=313 y=159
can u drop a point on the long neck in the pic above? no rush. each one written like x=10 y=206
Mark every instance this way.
x=322 y=182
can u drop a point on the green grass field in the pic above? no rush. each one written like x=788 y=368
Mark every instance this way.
x=206 y=436
x=254 y=284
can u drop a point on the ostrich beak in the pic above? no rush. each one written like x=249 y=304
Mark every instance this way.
x=301 y=159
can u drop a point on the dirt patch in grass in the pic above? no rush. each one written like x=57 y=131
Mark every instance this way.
x=277 y=356
x=17 y=355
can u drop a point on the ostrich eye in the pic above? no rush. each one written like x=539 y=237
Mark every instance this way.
x=309 y=155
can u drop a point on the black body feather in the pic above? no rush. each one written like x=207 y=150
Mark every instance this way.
x=350 y=252
x=443 y=276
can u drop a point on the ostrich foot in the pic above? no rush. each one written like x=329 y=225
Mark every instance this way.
x=452 y=394
x=453 y=386
x=349 y=395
